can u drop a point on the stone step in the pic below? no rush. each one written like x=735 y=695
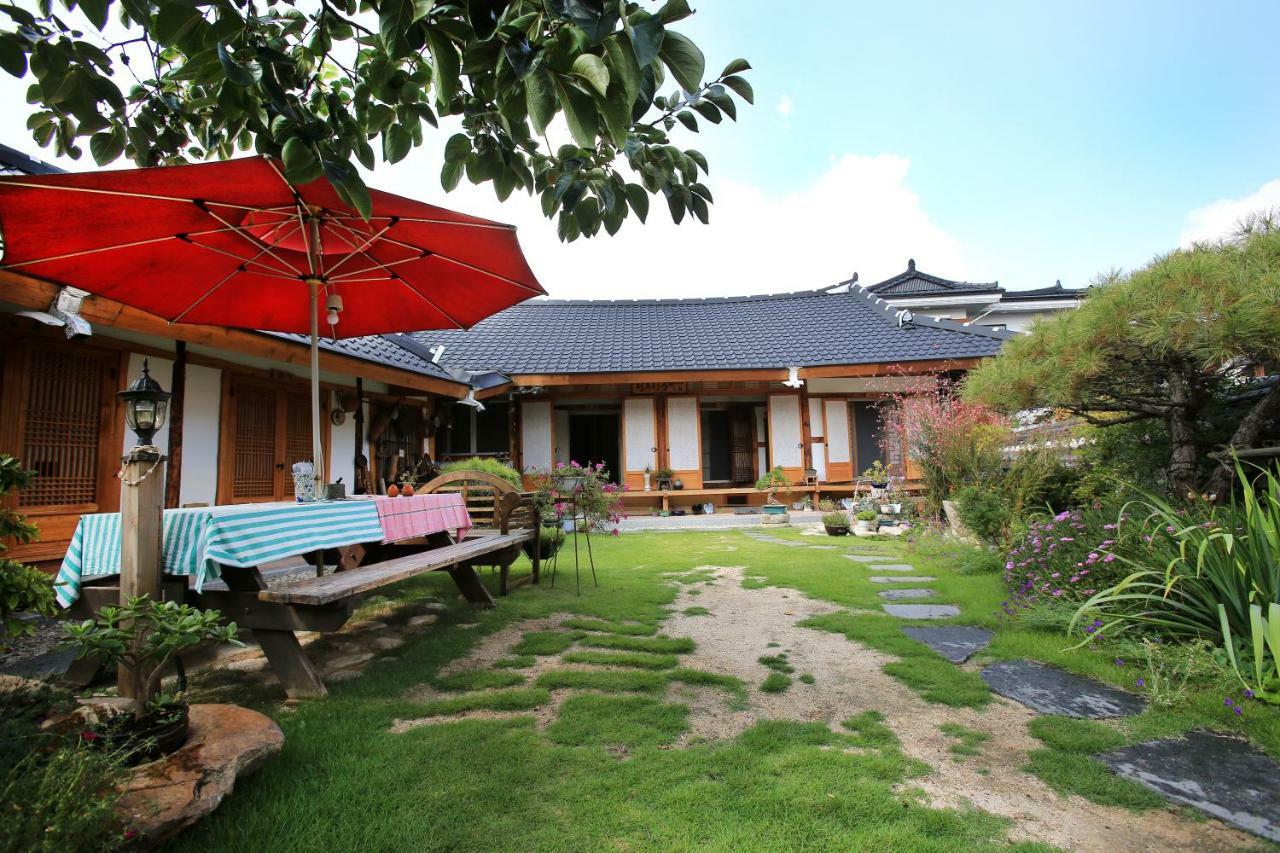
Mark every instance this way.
x=862 y=558
x=956 y=643
x=898 y=594
x=1050 y=690
x=892 y=567
x=902 y=579
x=921 y=611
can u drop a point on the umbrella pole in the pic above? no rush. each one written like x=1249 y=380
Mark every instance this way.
x=317 y=447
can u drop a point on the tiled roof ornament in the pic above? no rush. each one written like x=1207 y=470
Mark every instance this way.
x=911 y=265
x=904 y=317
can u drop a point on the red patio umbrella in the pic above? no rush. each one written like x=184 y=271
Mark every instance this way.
x=234 y=243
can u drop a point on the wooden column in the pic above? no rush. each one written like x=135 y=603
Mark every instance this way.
x=359 y=430
x=663 y=458
x=806 y=430
x=141 y=528
x=177 y=407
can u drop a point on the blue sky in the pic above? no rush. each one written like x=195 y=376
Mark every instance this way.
x=1018 y=141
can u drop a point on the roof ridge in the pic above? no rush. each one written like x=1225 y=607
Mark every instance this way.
x=891 y=314
x=682 y=300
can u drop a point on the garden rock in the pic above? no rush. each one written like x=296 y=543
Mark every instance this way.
x=385 y=644
x=343 y=675
x=922 y=611
x=1050 y=690
x=423 y=621
x=897 y=594
x=349 y=661
x=364 y=625
x=862 y=558
x=1219 y=775
x=956 y=643
x=893 y=567
x=226 y=742
x=901 y=579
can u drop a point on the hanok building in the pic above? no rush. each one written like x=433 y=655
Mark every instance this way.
x=974 y=303
x=716 y=391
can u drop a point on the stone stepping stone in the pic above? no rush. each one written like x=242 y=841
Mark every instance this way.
x=774 y=540
x=902 y=579
x=1219 y=775
x=1050 y=690
x=862 y=558
x=893 y=567
x=921 y=611
x=956 y=643
x=897 y=594
x=823 y=547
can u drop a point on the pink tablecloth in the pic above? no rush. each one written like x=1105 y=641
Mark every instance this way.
x=405 y=518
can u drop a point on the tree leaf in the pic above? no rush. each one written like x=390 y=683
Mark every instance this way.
x=674 y=10
x=458 y=148
x=301 y=165
x=638 y=198
x=107 y=145
x=451 y=174
x=96 y=12
x=246 y=74
x=616 y=111
x=396 y=142
x=580 y=113
x=592 y=68
x=736 y=66
x=686 y=118
x=623 y=68
x=174 y=22
x=708 y=110
x=394 y=18
x=484 y=15
x=742 y=87
x=540 y=99
x=13 y=58
x=596 y=18
x=725 y=103
x=447 y=68
x=646 y=38
x=700 y=208
x=685 y=60
x=697 y=157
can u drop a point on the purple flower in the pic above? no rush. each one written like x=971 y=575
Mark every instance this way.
x=1141 y=682
x=1227 y=702
x=1248 y=694
x=1119 y=661
x=1238 y=711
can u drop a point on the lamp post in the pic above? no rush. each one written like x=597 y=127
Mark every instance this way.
x=146 y=406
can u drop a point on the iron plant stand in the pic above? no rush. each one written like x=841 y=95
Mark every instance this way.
x=586 y=533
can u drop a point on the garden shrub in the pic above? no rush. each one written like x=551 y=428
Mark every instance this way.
x=488 y=466
x=1176 y=670
x=985 y=511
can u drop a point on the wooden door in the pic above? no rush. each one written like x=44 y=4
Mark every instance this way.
x=265 y=429
x=742 y=446
x=61 y=420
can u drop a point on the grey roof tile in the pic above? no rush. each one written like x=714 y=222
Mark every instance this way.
x=912 y=282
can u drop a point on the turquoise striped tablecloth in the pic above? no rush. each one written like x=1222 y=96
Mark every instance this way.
x=196 y=541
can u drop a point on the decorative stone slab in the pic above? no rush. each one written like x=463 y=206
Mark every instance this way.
x=956 y=643
x=893 y=567
x=862 y=558
x=226 y=742
x=1050 y=690
x=1219 y=775
x=896 y=594
x=902 y=579
x=922 y=611
x=823 y=547
x=774 y=540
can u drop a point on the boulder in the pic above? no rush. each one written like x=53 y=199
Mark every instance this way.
x=226 y=742
x=423 y=620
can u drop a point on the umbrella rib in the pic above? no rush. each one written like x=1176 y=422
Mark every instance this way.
x=426 y=299
x=270 y=270
x=497 y=226
x=238 y=230
x=122 y=193
x=111 y=248
x=377 y=265
x=210 y=291
x=359 y=250
x=443 y=257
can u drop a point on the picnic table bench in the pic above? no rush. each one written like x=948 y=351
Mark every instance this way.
x=326 y=602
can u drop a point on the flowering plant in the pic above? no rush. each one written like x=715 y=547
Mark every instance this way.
x=566 y=490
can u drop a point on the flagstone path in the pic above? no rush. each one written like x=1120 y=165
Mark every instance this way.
x=956 y=643
x=1050 y=690
x=899 y=594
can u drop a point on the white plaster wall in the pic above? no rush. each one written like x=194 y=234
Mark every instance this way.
x=342 y=452
x=784 y=430
x=200 y=426
x=762 y=434
x=815 y=418
x=682 y=434
x=535 y=434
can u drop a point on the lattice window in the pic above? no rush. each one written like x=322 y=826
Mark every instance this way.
x=60 y=428
x=255 y=447
x=297 y=433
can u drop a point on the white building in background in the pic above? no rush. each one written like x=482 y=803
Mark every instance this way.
x=977 y=303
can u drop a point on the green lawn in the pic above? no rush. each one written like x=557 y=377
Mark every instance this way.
x=610 y=770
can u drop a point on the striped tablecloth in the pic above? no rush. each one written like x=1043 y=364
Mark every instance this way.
x=198 y=540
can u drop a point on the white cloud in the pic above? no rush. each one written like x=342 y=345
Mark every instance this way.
x=1219 y=218
x=860 y=215
x=785 y=105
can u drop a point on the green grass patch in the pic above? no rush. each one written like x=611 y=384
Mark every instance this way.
x=929 y=674
x=775 y=682
x=754 y=582
x=701 y=678
x=777 y=663
x=608 y=681
x=607 y=627
x=515 y=662
x=544 y=643
x=1068 y=773
x=630 y=721
x=656 y=645
x=696 y=611
x=519 y=699
x=478 y=679
x=868 y=729
x=638 y=660
x=967 y=741
x=807 y=678
x=1080 y=737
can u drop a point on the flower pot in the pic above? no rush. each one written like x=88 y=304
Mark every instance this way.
x=865 y=526
x=648 y=485
x=154 y=736
x=677 y=484
x=774 y=509
x=837 y=530
x=571 y=484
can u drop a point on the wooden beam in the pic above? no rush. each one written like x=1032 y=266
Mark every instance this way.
x=177 y=409
x=905 y=368
x=33 y=293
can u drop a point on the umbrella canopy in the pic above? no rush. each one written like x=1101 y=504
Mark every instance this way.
x=235 y=244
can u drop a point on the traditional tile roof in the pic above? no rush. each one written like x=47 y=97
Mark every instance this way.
x=746 y=332
x=912 y=283
x=1055 y=292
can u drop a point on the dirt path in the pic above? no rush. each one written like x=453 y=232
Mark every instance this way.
x=848 y=680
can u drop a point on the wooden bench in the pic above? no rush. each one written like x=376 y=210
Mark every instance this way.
x=496 y=508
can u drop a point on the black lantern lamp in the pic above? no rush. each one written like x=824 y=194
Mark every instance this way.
x=146 y=405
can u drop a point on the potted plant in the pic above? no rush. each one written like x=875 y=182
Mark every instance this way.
x=771 y=482
x=836 y=523
x=22 y=588
x=648 y=474
x=578 y=496
x=664 y=476
x=866 y=518
x=549 y=541
x=877 y=475
x=143 y=636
